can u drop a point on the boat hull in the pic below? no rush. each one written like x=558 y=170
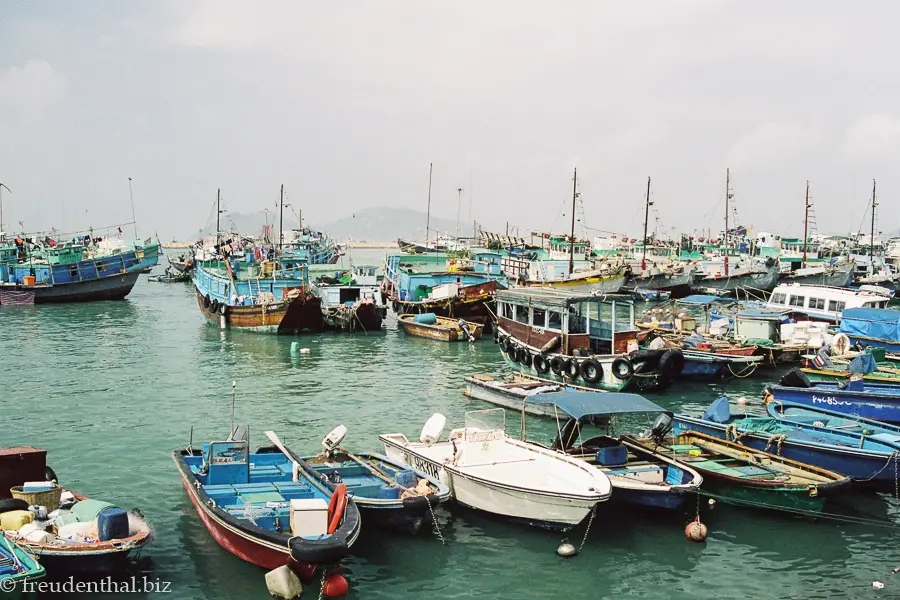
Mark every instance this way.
x=363 y=317
x=439 y=332
x=645 y=498
x=288 y=317
x=764 y=281
x=867 y=404
x=480 y=390
x=610 y=284
x=112 y=287
x=678 y=284
x=860 y=465
x=839 y=276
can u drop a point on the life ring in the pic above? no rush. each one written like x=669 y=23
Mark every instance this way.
x=336 y=507
x=840 y=344
x=591 y=370
x=572 y=369
x=206 y=301
x=622 y=368
x=671 y=364
x=504 y=344
x=557 y=365
x=540 y=363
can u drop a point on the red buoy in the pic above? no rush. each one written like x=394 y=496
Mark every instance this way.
x=335 y=586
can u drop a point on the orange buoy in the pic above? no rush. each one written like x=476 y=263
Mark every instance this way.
x=696 y=531
x=335 y=586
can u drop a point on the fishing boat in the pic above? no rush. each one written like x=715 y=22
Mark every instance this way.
x=639 y=476
x=876 y=401
x=269 y=509
x=18 y=567
x=68 y=531
x=351 y=301
x=491 y=472
x=823 y=303
x=862 y=458
x=650 y=295
x=171 y=276
x=444 y=329
x=513 y=392
x=69 y=274
x=742 y=476
x=822 y=419
x=566 y=337
x=387 y=492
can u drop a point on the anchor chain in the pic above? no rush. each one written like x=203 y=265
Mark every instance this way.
x=588 y=529
x=322 y=585
x=437 y=527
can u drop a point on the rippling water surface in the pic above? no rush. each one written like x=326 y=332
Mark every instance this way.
x=110 y=389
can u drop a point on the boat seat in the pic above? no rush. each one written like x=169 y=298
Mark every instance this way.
x=752 y=471
x=890 y=438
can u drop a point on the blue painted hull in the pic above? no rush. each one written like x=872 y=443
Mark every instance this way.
x=661 y=499
x=865 y=341
x=880 y=404
x=698 y=370
x=861 y=465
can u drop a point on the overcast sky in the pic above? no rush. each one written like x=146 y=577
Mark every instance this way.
x=346 y=103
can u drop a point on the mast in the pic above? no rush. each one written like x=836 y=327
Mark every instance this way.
x=646 y=218
x=805 y=224
x=218 y=212
x=133 y=218
x=572 y=236
x=459 y=192
x=727 y=198
x=872 y=238
x=281 y=220
x=2 y=185
x=428 y=214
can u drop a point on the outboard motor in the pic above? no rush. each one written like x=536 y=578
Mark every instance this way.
x=662 y=426
x=795 y=378
x=465 y=327
x=334 y=438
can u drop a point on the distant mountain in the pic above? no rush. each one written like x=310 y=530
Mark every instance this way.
x=381 y=224
x=384 y=224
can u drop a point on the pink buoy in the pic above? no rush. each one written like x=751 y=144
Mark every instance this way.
x=696 y=531
x=335 y=586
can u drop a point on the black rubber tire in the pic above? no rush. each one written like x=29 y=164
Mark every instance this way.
x=10 y=504
x=513 y=353
x=50 y=474
x=622 y=368
x=496 y=335
x=504 y=343
x=671 y=364
x=645 y=361
x=206 y=301
x=591 y=370
x=525 y=356
x=540 y=363
x=572 y=369
x=214 y=306
x=795 y=378
x=557 y=365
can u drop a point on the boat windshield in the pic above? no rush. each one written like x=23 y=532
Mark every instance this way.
x=486 y=420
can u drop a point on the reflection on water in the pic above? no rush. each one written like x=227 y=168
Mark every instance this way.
x=110 y=389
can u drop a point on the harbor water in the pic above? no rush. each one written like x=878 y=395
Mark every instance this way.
x=111 y=388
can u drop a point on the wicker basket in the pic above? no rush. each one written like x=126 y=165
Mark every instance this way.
x=48 y=499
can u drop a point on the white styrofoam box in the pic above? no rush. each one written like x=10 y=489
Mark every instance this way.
x=309 y=517
x=39 y=536
x=448 y=290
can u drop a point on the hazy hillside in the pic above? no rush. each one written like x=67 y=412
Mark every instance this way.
x=370 y=225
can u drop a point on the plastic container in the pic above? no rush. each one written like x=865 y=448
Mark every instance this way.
x=14 y=520
x=78 y=533
x=388 y=492
x=406 y=478
x=112 y=524
x=613 y=456
x=65 y=518
x=87 y=510
x=425 y=319
x=28 y=280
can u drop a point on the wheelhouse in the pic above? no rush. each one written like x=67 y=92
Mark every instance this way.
x=599 y=324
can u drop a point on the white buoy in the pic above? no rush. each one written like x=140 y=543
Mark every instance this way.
x=295 y=348
x=283 y=583
x=712 y=503
x=877 y=585
x=304 y=350
x=566 y=549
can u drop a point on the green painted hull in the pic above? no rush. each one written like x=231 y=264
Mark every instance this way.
x=791 y=499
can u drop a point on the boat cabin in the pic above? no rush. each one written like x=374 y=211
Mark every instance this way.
x=596 y=324
x=822 y=302
x=561 y=248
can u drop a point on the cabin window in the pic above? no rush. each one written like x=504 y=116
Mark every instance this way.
x=522 y=314
x=797 y=301
x=576 y=321
x=778 y=298
x=539 y=318
x=817 y=303
x=836 y=306
x=554 y=320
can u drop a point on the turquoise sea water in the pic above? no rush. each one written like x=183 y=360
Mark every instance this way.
x=110 y=389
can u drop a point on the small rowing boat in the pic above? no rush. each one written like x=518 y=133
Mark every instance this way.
x=445 y=329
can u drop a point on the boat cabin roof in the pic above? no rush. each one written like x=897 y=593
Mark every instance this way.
x=554 y=298
x=582 y=404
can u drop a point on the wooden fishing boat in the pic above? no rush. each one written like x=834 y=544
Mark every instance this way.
x=440 y=328
x=388 y=493
x=17 y=566
x=351 y=301
x=269 y=509
x=513 y=391
x=742 y=476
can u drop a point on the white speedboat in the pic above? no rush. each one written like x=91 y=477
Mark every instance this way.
x=487 y=470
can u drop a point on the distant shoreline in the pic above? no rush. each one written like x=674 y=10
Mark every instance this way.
x=358 y=245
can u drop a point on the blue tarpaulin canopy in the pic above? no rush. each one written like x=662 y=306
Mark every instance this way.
x=875 y=323
x=704 y=299
x=581 y=404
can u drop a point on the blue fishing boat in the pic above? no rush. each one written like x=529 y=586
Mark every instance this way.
x=390 y=493
x=857 y=456
x=877 y=401
x=879 y=327
x=17 y=566
x=640 y=476
x=270 y=509
x=822 y=419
